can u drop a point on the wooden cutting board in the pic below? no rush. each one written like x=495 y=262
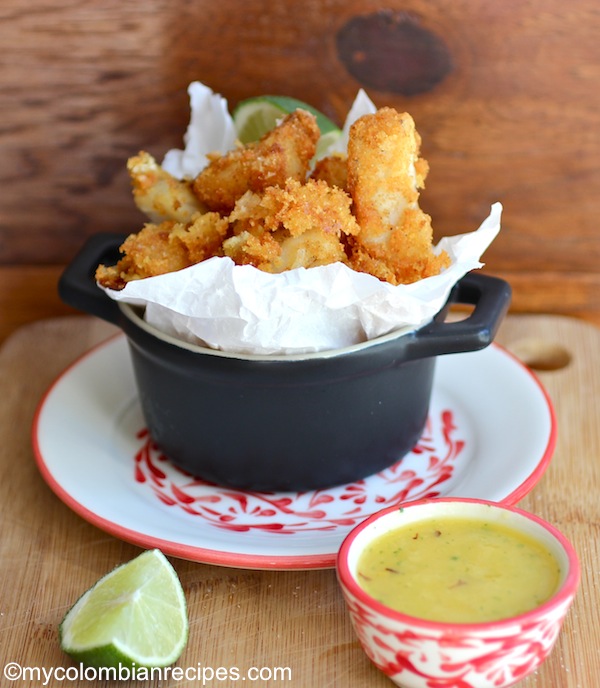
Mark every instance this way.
x=267 y=619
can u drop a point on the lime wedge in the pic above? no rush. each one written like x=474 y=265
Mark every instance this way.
x=326 y=140
x=134 y=616
x=254 y=117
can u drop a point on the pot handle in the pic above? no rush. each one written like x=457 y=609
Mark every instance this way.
x=491 y=298
x=77 y=285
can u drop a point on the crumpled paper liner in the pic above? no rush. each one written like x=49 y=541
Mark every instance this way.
x=240 y=309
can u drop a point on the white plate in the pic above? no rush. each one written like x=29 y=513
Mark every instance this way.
x=490 y=435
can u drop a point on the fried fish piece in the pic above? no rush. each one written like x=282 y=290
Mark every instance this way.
x=258 y=205
x=283 y=153
x=147 y=253
x=299 y=225
x=158 y=194
x=385 y=173
x=203 y=237
x=166 y=247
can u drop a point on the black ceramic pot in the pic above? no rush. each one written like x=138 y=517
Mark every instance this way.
x=288 y=422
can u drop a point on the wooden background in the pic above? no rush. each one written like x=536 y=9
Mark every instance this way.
x=505 y=95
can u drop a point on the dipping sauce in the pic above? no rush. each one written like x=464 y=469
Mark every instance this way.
x=458 y=570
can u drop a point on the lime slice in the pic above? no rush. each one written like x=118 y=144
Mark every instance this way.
x=254 y=117
x=134 y=616
x=325 y=142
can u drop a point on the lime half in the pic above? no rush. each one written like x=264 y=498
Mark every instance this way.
x=254 y=117
x=134 y=616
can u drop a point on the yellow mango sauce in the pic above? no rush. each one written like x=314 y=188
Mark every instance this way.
x=458 y=570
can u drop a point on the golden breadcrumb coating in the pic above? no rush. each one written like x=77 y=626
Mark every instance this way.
x=260 y=205
x=166 y=247
x=384 y=177
x=159 y=195
x=300 y=225
x=283 y=153
x=333 y=170
x=203 y=237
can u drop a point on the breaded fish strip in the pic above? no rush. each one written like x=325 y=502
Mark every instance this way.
x=300 y=225
x=283 y=153
x=160 y=248
x=159 y=195
x=384 y=177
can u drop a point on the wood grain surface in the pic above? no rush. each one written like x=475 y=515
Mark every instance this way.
x=504 y=94
x=296 y=619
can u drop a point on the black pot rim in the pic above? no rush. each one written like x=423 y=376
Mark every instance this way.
x=134 y=315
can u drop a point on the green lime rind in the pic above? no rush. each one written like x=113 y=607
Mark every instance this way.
x=254 y=117
x=288 y=105
x=136 y=615
x=111 y=657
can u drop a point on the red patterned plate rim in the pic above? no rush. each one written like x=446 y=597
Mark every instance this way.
x=493 y=369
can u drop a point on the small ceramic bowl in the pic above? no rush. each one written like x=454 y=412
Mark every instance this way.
x=301 y=422
x=418 y=653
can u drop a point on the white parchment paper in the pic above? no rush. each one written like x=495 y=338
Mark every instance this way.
x=241 y=309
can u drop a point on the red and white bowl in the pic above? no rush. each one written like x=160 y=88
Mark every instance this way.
x=417 y=653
